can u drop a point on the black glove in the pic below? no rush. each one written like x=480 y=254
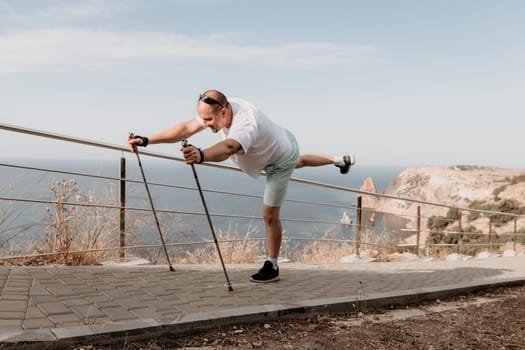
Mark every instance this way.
x=144 y=139
x=201 y=154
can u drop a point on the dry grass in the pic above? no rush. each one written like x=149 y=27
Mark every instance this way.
x=324 y=251
x=74 y=223
x=235 y=249
x=71 y=226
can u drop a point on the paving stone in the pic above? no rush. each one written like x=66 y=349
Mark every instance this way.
x=76 y=302
x=10 y=323
x=72 y=282
x=38 y=290
x=85 y=291
x=14 y=290
x=98 y=298
x=158 y=305
x=19 y=297
x=41 y=275
x=34 y=312
x=145 y=313
x=65 y=318
x=19 y=283
x=110 y=303
x=54 y=308
x=119 y=313
x=36 y=299
x=61 y=291
x=11 y=315
x=13 y=305
x=34 y=323
x=130 y=303
x=88 y=311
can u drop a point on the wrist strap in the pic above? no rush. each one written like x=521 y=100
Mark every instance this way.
x=202 y=156
x=144 y=139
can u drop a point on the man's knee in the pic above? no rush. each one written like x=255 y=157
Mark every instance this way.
x=271 y=215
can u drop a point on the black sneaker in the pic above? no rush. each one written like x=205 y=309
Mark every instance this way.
x=266 y=274
x=349 y=161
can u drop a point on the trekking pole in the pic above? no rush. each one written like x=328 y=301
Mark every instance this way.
x=230 y=288
x=152 y=206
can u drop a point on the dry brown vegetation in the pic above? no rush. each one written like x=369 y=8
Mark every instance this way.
x=81 y=229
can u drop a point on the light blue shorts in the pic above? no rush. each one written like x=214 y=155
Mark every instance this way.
x=278 y=176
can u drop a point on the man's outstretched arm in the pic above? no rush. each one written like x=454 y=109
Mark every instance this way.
x=174 y=134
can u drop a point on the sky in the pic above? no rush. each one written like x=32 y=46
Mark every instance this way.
x=398 y=83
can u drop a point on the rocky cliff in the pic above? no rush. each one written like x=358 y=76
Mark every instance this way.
x=463 y=186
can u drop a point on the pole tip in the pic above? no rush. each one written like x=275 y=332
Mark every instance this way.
x=230 y=289
x=172 y=269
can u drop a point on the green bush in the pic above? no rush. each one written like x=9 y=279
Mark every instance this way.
x=437 y=223
x=453 y=214
x=505 y=206
x=517 y=179
x=497 y=191
x=476 y=204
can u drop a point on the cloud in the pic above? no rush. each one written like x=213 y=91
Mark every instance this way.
x=48 y=38
x=80 y=49
x=55 y=12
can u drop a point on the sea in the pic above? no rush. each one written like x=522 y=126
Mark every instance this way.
x=234 y=200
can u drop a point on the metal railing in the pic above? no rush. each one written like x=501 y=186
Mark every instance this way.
x=358 y=228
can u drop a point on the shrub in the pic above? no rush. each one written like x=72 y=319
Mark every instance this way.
x=476 y=204
x=71 y=226
x=453 y=214
x=505 y=206
x=517 y=179
x=497 y=191
x=437 y=223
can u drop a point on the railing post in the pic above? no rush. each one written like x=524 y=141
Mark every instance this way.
x=418 y=229
x=514 y=238
x=122 y=243
x=358 y=230
x=490 y=234
x=460 y=229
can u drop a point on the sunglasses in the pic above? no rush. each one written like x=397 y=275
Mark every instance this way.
x=209 y=101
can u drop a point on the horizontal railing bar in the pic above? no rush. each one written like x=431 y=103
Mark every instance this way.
x=60 y=171
x=169 y=185
x=182 y=212
x=477 y=233
x=146 y=246
x=233 y=216
x=237 y=241
x=87 y=142
x=465 y=244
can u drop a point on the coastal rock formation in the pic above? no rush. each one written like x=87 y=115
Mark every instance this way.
x=476 y=187
x=368 y=201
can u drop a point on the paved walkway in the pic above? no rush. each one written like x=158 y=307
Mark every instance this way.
x=57 y=305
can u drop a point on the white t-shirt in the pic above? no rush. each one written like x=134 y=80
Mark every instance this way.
x=263 y=142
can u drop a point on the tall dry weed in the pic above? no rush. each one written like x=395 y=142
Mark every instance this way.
x=76 y=223
x=235 y=249
x=330 y=249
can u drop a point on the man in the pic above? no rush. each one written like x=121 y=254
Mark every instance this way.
x=254 y=143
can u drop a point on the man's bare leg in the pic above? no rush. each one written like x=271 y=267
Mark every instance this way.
x=274 y=230
x=274 y=233
x=314 y=159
